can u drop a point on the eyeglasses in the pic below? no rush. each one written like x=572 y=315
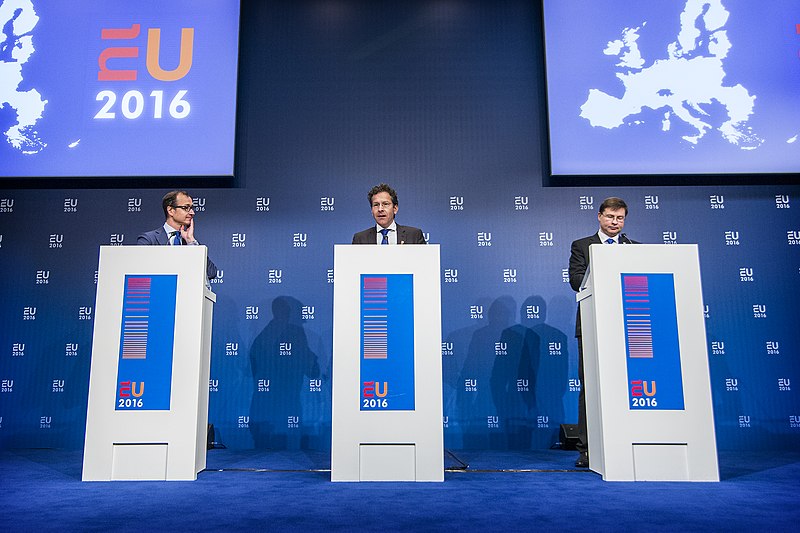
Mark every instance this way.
x=385 y=205
x=612 y=218
x=186 y=208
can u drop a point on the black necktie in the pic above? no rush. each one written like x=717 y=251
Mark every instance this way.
x=385 y=233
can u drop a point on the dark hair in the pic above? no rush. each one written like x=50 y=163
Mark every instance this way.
x=382 y=188
x=169 y=200
x=613 y=204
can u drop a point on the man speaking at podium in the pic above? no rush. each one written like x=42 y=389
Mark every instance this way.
x=178 y=229
x=611 y=216
x=383 y=200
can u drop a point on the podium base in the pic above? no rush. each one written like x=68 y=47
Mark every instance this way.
x=141 y=462
x=387 y=462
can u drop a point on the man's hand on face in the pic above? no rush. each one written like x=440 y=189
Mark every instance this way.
x=187 y=232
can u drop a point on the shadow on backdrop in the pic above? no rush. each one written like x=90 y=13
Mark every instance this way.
x=281 y=360
x=551 y=365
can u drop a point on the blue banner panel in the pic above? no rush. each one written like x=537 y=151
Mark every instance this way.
x=651 y=342
x=387 y=342
x=144 y=371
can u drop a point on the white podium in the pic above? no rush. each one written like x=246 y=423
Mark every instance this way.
x=648 y=396
x=387 y=364
x=147 y=414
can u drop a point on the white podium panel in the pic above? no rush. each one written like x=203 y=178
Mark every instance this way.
x=387 y=364
x=147 y=414
x=649 y=412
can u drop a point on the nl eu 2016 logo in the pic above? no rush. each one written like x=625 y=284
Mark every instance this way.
x=651 y=342
x=387 y=342
x=114 y=64
x=144 y=369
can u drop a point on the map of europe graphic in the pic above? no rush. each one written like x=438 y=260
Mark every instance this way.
x=694 y=86
x=19 y=20
x=691 y=74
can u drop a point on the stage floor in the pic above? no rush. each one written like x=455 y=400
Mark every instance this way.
x=497 y=491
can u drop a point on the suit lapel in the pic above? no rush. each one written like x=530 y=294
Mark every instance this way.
x=161 y=236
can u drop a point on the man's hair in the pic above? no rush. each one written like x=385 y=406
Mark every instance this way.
x=169 y=200
x=613 y=204
x=382 y=188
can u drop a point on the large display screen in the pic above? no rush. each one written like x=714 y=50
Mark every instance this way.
x=673 y=87
x=118 y=87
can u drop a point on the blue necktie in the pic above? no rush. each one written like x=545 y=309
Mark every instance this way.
x=176 y=238
x=385 y=233
x=609 y=241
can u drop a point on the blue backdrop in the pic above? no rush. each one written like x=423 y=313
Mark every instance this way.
x=444 y=102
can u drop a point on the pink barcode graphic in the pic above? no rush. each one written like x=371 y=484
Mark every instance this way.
x=135 y=318
x=374 y=323
x=638 y=320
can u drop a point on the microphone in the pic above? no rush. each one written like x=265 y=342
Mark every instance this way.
x=623 y=239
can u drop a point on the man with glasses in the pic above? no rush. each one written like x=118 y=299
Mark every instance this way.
x=611 y=216
x=178 y=229
x=383 y=201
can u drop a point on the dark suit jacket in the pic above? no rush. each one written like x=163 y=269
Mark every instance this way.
x=405 y=235
x=159 y=237
x=579 y=262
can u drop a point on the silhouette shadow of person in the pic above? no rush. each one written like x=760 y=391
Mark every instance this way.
x=281 y=360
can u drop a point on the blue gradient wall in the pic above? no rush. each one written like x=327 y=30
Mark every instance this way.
x=445 y=102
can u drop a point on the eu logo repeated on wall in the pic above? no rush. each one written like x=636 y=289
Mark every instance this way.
x=473 y=283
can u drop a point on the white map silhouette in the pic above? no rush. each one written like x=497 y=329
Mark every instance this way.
x=690 y=77
x=18 y=19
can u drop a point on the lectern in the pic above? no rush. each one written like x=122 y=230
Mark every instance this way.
x=148 y=389
x=387 y=364
x=648 y=395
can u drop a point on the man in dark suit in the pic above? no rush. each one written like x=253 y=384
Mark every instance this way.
x=611 y=216
x=178 y=228
x=383 y=201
